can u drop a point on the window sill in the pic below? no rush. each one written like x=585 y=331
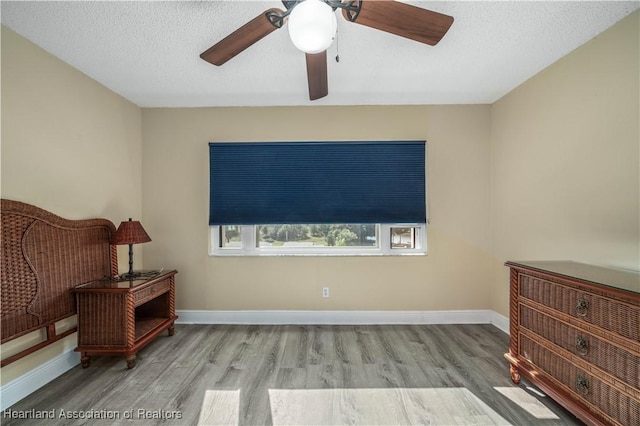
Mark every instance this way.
x=233 y=253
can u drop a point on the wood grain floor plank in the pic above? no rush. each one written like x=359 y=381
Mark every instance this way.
x=253 y=375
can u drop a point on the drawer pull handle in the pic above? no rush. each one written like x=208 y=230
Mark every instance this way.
x=582 y=306
x=582 y=346
x=582 y=385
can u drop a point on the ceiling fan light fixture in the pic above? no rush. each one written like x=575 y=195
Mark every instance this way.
x=312 y=26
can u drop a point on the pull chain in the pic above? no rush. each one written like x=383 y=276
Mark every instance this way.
x=337 y=45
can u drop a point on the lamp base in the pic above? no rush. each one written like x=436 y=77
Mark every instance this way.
x=138 y=275
x=130 y=276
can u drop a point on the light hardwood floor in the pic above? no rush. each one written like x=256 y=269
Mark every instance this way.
x=262 y=375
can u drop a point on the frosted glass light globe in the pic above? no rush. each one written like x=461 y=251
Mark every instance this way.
x=312 y=26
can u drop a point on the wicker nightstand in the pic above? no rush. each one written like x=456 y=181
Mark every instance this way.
x=121 y=317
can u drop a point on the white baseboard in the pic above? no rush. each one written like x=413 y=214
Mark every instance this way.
x=344 y=317
x=499 y=321
x=24 y=385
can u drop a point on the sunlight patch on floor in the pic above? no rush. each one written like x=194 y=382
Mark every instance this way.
x=446 y=406
x=220 y=407
x=527 y=402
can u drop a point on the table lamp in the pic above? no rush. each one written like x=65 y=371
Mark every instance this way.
x=130 y=232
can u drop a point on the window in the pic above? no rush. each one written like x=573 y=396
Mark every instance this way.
x=403 y=237
x=318 y=197
x=315 y=239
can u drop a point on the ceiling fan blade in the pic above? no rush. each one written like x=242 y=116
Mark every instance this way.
x=403 y=19
x=248 y=34
x=317 y=75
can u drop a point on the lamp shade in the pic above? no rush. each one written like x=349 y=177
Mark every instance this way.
x=312 y=26
x=130 y=232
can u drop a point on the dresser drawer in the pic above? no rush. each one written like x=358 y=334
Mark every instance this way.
x=615 y=405
x=609 y=314
x=151 y=292
x=610 y=358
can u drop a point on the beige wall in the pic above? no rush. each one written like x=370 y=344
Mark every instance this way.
x=69 y=145
x=565 y=153
x=454 y=275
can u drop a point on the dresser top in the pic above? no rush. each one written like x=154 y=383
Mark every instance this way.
x=623 y=279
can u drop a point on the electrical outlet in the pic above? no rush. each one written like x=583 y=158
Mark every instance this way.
x=325 y=291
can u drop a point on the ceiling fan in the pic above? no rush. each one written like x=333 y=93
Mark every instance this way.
x=307 y=18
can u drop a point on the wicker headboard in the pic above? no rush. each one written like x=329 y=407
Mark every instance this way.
x=43 y=257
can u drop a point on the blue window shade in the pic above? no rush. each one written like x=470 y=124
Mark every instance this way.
x=317 y=182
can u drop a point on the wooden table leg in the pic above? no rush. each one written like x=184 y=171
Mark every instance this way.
x=515 y=374
x=85 y=359
x=131 y=361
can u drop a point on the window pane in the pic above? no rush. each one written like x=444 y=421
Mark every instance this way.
x=309 y=236
x=230 y=236
x=403 y=237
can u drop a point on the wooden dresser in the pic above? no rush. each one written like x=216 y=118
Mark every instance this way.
x=575 y=333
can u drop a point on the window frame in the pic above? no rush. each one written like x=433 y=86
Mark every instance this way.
x=248 y=238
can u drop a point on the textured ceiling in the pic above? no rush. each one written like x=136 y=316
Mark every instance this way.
x=148 y=52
